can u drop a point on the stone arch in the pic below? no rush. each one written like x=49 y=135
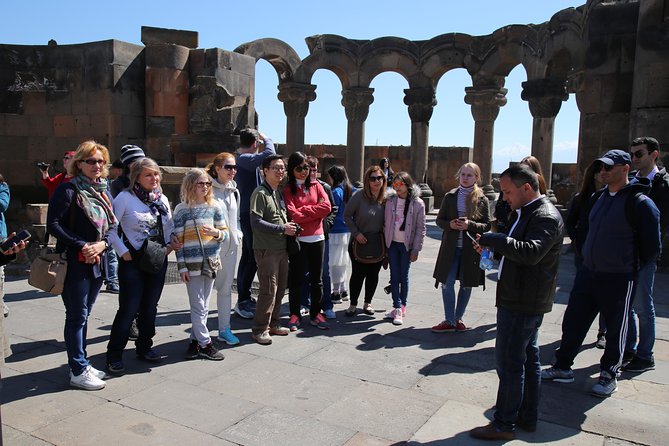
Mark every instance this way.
x=331 y=52
x=278 y=53
x=444 y=53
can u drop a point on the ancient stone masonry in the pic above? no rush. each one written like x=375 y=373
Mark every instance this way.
x=183 y=103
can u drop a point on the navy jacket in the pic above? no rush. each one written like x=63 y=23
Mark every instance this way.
x=612 y=245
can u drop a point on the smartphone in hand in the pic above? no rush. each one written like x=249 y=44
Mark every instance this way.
x=16 y=239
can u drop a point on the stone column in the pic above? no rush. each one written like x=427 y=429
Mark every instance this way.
x=485 y=102
x=545 y=98
x=295 y=97
x=421 y=102
x=356 y=102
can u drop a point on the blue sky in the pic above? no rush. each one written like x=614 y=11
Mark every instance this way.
x=226 y=25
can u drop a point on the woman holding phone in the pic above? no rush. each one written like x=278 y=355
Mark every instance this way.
x=464 y=210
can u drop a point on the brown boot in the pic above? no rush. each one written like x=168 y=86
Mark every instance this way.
x=491 y=432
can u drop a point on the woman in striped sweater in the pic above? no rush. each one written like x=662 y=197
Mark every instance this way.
x=200 y=226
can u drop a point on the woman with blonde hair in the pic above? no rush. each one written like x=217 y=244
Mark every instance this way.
x=81 y=219
x=221 y=173
x=464 y=210
x=144 y=215
x=364 y=216
x=199 y=224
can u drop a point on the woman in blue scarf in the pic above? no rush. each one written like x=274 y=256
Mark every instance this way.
x=80 y=216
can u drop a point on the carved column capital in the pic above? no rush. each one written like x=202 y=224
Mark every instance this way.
x=421 y=102
x=356 y=102
x=485 y=101
x=545 y=96
x=296 y=97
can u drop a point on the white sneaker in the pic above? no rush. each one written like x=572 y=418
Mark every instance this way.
x=87 y=381
x=97 y=373
x=397 y=316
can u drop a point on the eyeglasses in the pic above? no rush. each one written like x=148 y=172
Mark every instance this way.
x=398 y=184
x=65 y=158
x=638 y=154
x=278 y=168
x=204 y=183
x=230 y=167
x=313 y=170
x=302 y=168
x=92 y=162
x=375 y=178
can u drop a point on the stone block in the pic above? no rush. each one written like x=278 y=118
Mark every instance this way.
x=58 y=103
x=64 y=126
x=37 y=147
x=82 y=124
x=34 y=102
x=159 y=126
x=16 y=125
x=40 y=125
x=151 y=35
x=181 y=125
x=166 y=56
x=175 y=80
x=36 y=213
x=99 y=102
x=133 y=126
x=79 y=102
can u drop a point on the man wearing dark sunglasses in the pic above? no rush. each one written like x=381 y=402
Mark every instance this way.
x=645 y=151
x=614 y=251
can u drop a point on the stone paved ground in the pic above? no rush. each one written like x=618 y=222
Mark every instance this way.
x=364 y=382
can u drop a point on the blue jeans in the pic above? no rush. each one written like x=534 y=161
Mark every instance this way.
x=139 y=295
x=399 y=260
x=247 y=268
x=453 y=313
x=643 y=307
x=111 y=270
x=518 y=368
x=80 y=290
x=327 y=283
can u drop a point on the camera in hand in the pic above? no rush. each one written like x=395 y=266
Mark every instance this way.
x=42 y=166
x=298 y=229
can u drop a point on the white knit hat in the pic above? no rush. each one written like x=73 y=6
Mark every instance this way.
x=130 y=153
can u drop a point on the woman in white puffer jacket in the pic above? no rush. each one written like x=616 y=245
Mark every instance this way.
x=222 y=171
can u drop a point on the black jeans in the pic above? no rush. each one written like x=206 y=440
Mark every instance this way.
x=362 y=272
x=247 y=268
x=311 y=258
x=139 y=295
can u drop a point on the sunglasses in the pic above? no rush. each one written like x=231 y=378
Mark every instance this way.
x=397 y=184
x=230 y=167
x=302 y=168
x=375 y=178
x=608 y=168
x=92 y=162
x=204 y=183
x=638 y=154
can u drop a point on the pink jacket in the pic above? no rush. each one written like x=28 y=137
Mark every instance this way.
x=414 y=229
x=308 y=209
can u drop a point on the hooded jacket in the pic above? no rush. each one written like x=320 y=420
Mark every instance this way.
x=227 y=197
x=414 y=229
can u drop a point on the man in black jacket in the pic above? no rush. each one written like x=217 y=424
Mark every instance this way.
x=525 y=291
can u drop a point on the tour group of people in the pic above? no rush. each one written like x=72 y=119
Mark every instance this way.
x=302 y=233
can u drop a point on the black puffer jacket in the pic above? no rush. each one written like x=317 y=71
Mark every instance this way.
x=531 y=258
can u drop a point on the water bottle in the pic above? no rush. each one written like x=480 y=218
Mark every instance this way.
x=486 y=259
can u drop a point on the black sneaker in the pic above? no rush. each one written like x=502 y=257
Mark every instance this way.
x=344 y=296
x=627 y=358
x=335 y=298
x=212 y=353
x=601 y=341
x=638 y=365
x=116 y=368
x=150 y=356
x=193 y=350
x=133 y=333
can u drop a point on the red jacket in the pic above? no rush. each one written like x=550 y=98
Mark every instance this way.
x=52 y=183
x=307 y=208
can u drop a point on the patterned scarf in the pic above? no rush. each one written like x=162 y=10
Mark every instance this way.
x=151 y=199
x=93 y=200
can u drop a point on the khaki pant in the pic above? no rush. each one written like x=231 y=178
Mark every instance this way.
x=272 y=280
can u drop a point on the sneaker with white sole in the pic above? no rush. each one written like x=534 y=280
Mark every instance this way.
x=262 y=338
x=606 y=385
x=557 y=375
x=227 y=337
x=210 y=352
x=98 y=373
x=87 y=381
x=397 y=316
x=304 y=311
x=244 y=310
